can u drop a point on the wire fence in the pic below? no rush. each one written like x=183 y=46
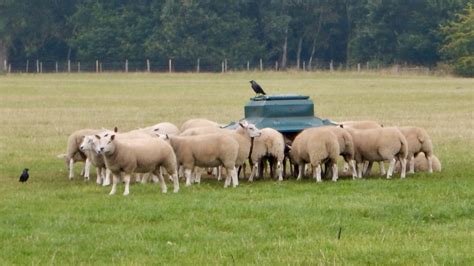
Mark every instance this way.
x=50 y=66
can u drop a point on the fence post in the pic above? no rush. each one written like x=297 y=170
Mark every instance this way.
x=331 y=66
x=100 y=67
x=367 y=65
x=222 y=66
x=261 y=65
x=304 y=65
x=96 y=66
x=248 y=66
x=56 y=66
x=148 y=65
x=225 y=64
x=126 y=65
x=9 y=68
x=358 y=67
x=41 y=67
x=37 y=66
x=79 y=67
x=27 y=65
x=276 y=65
x=169 y=65
x=198 y=67
x=5 y=65
x=68 y=66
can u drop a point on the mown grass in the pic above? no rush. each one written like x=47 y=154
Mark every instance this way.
x=425 y=219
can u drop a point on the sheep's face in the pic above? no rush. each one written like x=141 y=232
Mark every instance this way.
x=253 y=131
x=105 y=145
x=87 y=143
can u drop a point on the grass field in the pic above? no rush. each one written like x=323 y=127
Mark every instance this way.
x=424 y=219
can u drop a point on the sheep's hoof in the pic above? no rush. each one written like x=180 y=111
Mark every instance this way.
x=111 y=193
x=125 y=193
x=188 y=184
x=176 y=191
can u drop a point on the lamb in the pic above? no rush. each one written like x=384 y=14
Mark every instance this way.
x=269 y=143
x=315 y=146
x=164 y=128
x=210 y=150
x=137 y=156
x=89 y=147
x=379 y=144
x=198 y=122
x=418 y=141
x=421 y=164
x=74 y=154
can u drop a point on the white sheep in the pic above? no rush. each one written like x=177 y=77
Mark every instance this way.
x=367 y=124
x=422 y=165
x=137 y=156
x=269 y=143
x=164 y=128
x=89 y=147
x=315 y=146
x=346 y=145
x=198 y=122
x=379 y=144
x=210 y=150
x=74 y=154
x=418 y=141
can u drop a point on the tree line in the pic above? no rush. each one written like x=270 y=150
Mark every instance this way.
x=415 y=32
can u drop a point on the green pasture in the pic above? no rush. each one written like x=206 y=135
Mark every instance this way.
x=424 y=219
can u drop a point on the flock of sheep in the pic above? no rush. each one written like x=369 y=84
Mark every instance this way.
x=202 y=145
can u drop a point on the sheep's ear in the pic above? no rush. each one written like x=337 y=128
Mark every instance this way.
x=112 y=137
x=341 y=126
x=115 y=129
x=97 y=136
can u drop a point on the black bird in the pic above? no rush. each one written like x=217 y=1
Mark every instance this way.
x=256 y=88
x=24 y=176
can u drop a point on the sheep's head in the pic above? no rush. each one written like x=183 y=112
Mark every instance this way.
x=105 y=145
x=87 y=143
x=251 y=129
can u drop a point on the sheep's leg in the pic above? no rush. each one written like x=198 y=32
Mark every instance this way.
x=317 y=173
x=354 y=172
x=307 y=170
x=366 y=167
x=175 y=182
x=107 y=178
x=235 y=179
x=116 y=180
x=404 y=167
x=229 y=176
x=430 y=164
x=144 y=179
x=180 y=171
x=127 y=184
x=300 y=171
x=71 y=169
x=98 y=172
x=411 y=160
x=359 y=169
x=334 y=172
x=254 y=171
x=382 y=168
x=280 y=171
x=197 y=175
x=219 y=173
x=187 y=174
x=163 y=186
x=87 y=170
x=391 y=167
